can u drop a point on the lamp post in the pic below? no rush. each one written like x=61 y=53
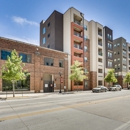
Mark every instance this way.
x=82 y=15
x=60 y=81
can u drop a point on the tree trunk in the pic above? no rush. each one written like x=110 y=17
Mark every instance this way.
x=13 y=88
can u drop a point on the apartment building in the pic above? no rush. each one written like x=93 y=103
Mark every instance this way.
x=42 y=63
x=108 y=47
x=83 y=41
x=120 y=56
x=51 y=31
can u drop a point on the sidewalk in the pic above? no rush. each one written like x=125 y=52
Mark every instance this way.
x=36 y=95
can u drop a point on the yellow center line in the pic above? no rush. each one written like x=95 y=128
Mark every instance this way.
x=61 y=108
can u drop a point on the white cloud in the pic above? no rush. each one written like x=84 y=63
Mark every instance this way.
x=27 y=40
x=23 y=21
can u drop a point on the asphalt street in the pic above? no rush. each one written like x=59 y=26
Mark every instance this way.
x=79 y=111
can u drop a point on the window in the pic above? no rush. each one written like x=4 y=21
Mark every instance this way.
x=48 y=24
x=99 y=82
x=48 y=46
x=114 y=60
x=118 y=44
x=124 y=45
x=115 y=66
x=19 y=85
x=44 y=40
x=85 y=48
x=5 y=54
x=115 y=52
x=108 y=36
x=48 y=61
x=109 y=63
x=60 y=63
x=44 y=30
x=118 y=52
x=109 y=45
x=99 y=70
x=85 y=59
x=48 y=35
x=85 y=38
x=25 y=57
x=124 y=67
x=124 y=52
x=109 y=54
x=114 y=45
x=85 y=27
x=124 y=59
x=99 y=60
x=118 y=59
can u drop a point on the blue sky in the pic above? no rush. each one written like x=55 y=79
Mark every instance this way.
x=19 y=19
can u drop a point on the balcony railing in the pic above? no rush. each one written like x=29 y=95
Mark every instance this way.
x=100 y=53
x=77 y=22
x=99 y=33
x=77 y=46
x=99 y=43
x=77 y=34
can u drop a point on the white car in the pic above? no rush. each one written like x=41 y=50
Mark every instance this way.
x=115 y=88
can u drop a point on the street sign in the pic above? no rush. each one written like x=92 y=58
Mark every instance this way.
x=61 y=79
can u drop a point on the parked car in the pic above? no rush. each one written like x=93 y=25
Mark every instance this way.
x=115 y=88
x=128 y=87
x=100 y=89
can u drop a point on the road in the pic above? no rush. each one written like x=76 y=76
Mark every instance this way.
x=81 y=111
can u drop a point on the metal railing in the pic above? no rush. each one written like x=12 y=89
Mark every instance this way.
x=77 y=34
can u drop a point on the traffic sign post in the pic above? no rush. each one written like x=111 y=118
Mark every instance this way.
x=61 y=80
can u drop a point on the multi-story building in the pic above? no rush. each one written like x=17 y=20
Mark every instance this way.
x=108 y=50
x=120 y=56
x=83 y=41
x=43 y=64
x=108 y=47
x=51 y=32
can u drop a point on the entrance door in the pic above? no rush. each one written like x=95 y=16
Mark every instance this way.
x=48 y=86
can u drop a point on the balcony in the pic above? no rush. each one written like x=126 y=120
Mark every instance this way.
x=77 y=34
x=99 y=43
x=77 y=22
x=100 y=32
x=78 y=46
x=100 y=53
x=80 y=59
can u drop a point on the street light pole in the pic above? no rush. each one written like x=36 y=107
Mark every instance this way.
x=60 y=81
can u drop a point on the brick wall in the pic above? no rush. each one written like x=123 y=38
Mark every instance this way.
x=37 y=68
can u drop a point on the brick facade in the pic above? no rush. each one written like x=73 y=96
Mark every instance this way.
x=37 y=68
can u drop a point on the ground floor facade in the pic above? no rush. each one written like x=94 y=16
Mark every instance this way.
x=46 y=67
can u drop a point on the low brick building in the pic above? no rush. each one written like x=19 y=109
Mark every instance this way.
x=43 y=64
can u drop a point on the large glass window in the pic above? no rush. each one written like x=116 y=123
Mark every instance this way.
x=109 y=54
x=85 y=27
x=109 y=63
x=48 y=61
x=85 y=48
x=85 y=59
x=44 y=30
x=19 y=85
x=44 y=40
x=61 y=63
x=109 y=45
x=5 y=54
x=85 y=38
x=25 y=57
